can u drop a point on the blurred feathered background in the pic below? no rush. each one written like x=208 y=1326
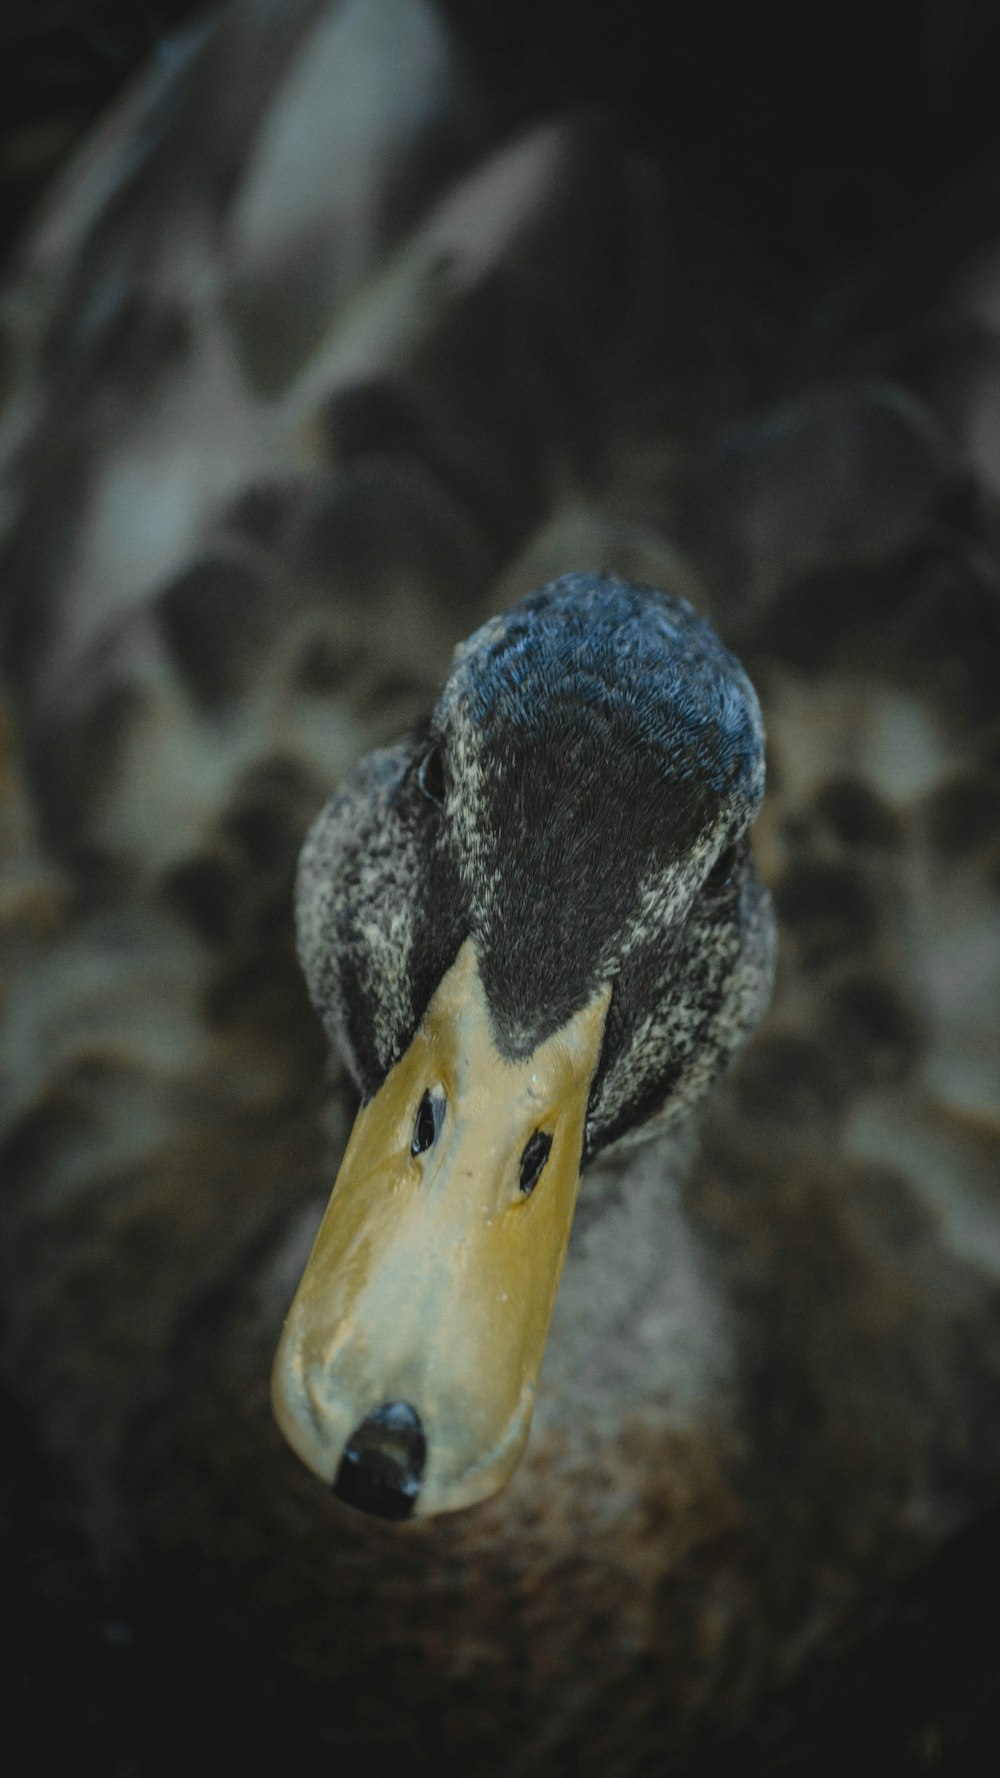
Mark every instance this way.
x=827 y=128
x=827 y=125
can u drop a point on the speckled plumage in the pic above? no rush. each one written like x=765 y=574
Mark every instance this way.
x=598 y=752
x=344 y=434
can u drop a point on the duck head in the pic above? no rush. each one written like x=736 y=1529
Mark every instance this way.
x=533 y=929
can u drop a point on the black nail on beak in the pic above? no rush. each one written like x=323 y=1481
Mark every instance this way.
x=383 y=1462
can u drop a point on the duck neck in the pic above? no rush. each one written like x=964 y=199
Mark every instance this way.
x=638 y=1313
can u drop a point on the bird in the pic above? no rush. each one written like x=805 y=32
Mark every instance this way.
x=507 y=1025
x=413 y=524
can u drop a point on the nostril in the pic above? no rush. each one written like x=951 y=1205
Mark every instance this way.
x=383 y=1462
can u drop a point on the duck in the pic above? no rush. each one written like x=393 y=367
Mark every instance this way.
x=600 y=735
x=413 y=522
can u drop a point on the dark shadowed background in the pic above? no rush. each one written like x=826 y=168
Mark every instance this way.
x=828 y=127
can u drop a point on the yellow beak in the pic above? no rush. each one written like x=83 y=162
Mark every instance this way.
x=407 y=1368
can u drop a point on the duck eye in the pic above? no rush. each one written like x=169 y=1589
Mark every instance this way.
x=430 y=776
x=536 y=1153
x=722 y=869
x=426 y=1124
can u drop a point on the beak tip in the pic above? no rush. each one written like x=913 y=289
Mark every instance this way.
x=382 y=1468
x=296 y=1417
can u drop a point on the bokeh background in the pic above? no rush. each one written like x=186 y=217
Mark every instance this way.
x=828 y=124
x=828 y=127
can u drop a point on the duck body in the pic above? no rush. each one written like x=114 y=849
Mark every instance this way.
x=269 y=472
